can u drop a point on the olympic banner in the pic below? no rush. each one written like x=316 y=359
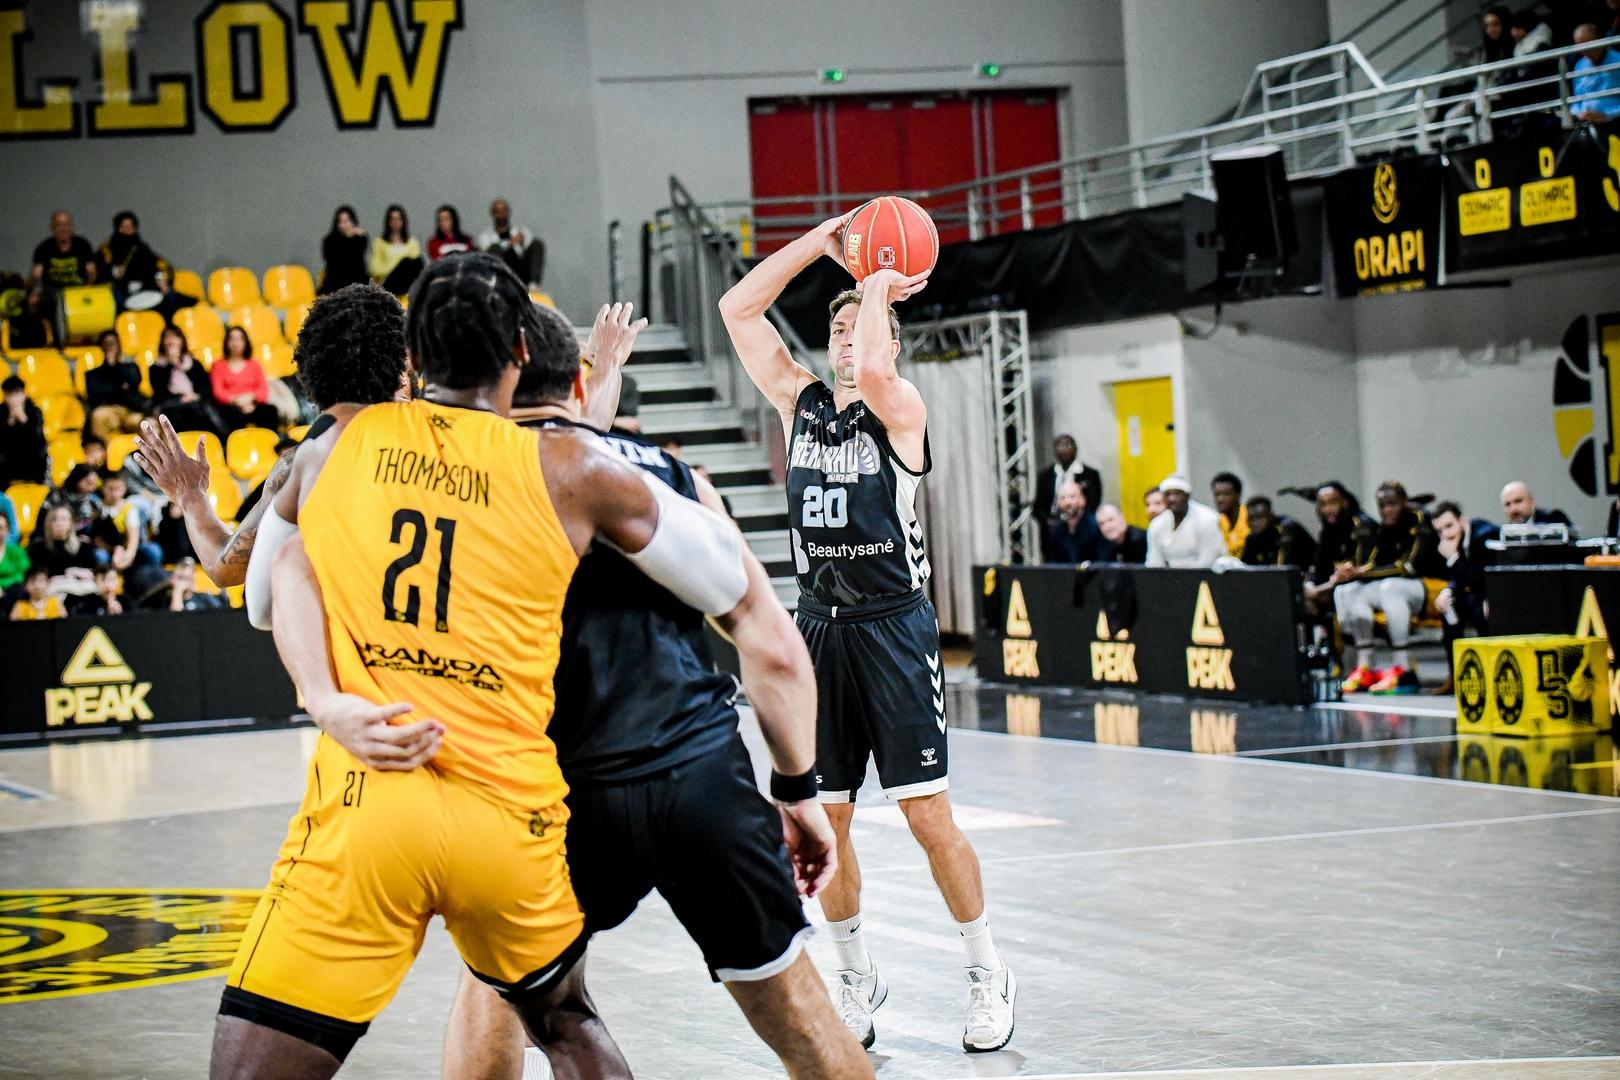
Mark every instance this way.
x=1384 y=226
x=1230 y=636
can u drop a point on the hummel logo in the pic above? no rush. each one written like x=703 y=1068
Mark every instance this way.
x=929 y=756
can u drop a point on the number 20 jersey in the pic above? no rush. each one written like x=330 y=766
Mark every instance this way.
x=444 y=569
x=852 y=510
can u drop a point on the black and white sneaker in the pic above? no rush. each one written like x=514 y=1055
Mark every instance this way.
x=856 y=996
x=991 y=995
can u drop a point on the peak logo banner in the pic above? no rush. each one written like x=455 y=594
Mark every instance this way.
x=58 y=943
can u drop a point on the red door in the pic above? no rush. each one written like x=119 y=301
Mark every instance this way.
x=782 y=145
x=1022 y=130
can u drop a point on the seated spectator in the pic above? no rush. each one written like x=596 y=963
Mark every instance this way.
x=78 y=495
x=1072 y=537
x=178 y=385
x=122 y=530
x=172 y=537
x=38 y=602
x=181 y=593
x=1226 y=491
x=1187 y=535
x=1066 y=466
x=141 y=487
x=140 y=276
x=62 y=260
x=241 y=392
x=1122 y=542
x=22 y=436
x=1388 y=576
x=1597 y=96
x=113 y=391
x=1519 y=505
x=1153 y=502
x=516 y=245
x=628 y=417
x=396 y=256
x=1462 y=603
x=1495 y=46
x=13 y=559
x=1346 y=530
x=59 y=550
x=107 y=599
x=1274 y=540
x=447 y=238
x=1530 y=36
x=343 y=251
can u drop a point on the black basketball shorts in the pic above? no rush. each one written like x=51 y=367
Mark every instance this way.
x=880 y=692
x=703 y=836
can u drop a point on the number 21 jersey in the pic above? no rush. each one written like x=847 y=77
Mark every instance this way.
x=852 y=511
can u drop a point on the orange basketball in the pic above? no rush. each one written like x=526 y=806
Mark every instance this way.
x=890 y=233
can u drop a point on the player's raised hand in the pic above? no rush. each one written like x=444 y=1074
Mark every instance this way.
x=893 y=284
x=364 y=729
x=159 y=454
x=613 y=335
x=832 y=237
x=812 y=845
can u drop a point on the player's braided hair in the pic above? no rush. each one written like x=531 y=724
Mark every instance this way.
x=352 y=347
x=467 y=314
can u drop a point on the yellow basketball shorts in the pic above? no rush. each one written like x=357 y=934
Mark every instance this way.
x=369 y=858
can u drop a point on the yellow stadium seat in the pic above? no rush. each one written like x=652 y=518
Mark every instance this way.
x=223 y=495
x=233 y=286
x=237 y=595
x=251 y=453
x=215 y=453
x=288 y=286
x=44 y=372
x=201 y=327
x=262 y=326
x=297 y=432
x=278 y=361
x=203 y=583
x=62 y=412
x=65 y=452
x=85 y=358
x=26 y=498
x=139 y=331
x=189 y=283
x=542 y=298
x=143 y=361
x=296 y=315
x=119 y=447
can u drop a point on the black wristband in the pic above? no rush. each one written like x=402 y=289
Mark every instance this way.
x=792 y=789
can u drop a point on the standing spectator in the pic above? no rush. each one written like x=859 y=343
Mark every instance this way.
x=178 y=385
x=1072 y=537
x=1187 y=535
x=241 y=392
x=1462 y=603
x=13 y=559
x=78 y=495
x=1122 y=542
x=61 y=553
x=22 y=436
x=1520 y=507
x=1388 y=576
x=1226 y=491
x=113 y=391
x=396 y=256
x=182 y=594
x=106 y=600
x=1345 y=531
x=122 y=529
x=62 y=260
x=1153 y=502
x=1066 y=466
x=447 y=238
x=344 y=252
x=516 y=245
x=1530 y=36
x=40 y=602
x=1276 y=541
x=1597 y=96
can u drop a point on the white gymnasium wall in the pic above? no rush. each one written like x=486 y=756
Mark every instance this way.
x=671 y=82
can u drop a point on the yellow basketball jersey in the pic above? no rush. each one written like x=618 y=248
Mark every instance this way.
x=444 y=568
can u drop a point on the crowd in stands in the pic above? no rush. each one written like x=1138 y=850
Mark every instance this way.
x=1407 y=563
x=1520 y=36
x=394 y=258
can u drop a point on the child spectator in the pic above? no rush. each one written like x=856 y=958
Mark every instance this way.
x=38 y=602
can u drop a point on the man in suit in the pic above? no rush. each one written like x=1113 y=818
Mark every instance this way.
x=1520 y=507
x=1072 y=537
x=1068 y=466
x=1122 y=542
x=1462 y=603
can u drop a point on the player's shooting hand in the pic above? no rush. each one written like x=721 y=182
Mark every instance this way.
x=895 y=285
x=613 y=335
x=364 y=729
x=812 y=845
x=159 y=454
x=832 y=237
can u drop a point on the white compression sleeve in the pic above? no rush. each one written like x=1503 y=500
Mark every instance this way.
x=274 y=530
x=694 y=552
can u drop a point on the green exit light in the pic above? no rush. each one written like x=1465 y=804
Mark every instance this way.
x=990 y=71
x=832 y=75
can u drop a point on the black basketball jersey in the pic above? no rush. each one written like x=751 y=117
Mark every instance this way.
x=637 y=690
x=852 y=505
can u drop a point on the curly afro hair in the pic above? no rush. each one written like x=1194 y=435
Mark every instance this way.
x=352 y=347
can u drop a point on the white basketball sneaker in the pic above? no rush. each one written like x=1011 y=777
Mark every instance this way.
x=857 y=995
x=990 y=1009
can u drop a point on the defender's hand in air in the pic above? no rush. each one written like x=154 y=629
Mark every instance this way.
x=898 y=286
x=812 y=845
x=363 y=729
x=613 y=335
x=158 y=452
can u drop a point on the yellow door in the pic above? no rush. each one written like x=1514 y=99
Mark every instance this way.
x=1145 y=413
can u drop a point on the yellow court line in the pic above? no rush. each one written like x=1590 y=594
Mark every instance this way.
x=79 y=991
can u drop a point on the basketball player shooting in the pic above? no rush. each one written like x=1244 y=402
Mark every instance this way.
x=857 y=453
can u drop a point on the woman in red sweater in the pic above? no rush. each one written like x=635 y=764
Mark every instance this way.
x=240 y=388
x=447 y=238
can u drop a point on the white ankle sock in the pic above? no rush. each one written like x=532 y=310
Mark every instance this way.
x=535 y=1064
x=1403 y=659
x=981 y=951
x=852 y=954
x=1364 y=657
